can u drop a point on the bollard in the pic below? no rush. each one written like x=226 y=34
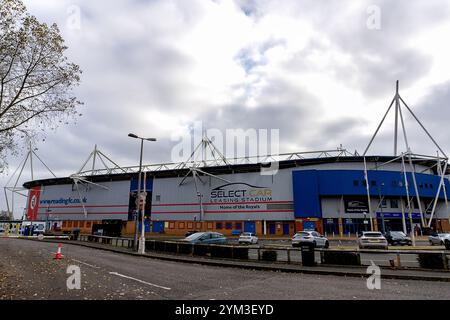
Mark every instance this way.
x=259 y=253
x=399 y=263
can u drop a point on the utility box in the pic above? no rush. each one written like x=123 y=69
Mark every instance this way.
x=308 y=256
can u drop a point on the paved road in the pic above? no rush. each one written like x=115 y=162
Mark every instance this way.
x=28 y=271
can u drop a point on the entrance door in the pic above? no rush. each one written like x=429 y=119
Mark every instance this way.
x=285 y=228
x=249 y=226
x=158 y=226
x=271 y=228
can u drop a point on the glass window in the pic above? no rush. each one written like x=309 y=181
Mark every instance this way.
x=384 y=203
x=228 y=225
x=219 y=225
x=238 y=226
x=394 y=203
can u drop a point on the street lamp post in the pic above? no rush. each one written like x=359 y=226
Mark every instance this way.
x=141 y=247
x=383 y=226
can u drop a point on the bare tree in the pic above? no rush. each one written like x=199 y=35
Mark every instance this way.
x=36 y=78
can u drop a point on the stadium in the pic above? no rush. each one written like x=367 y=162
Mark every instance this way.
x=332 y=191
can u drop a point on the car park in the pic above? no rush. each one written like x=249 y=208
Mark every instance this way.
x=248 y=238
x=396 y=238
x=310 y=237
x=440 y=239
x=206 y=237
x=372 y=240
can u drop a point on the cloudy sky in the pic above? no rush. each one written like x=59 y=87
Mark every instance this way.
x=322 y=72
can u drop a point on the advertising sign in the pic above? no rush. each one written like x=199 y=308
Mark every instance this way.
x=244 y=196
x=33 y=203
x=356 y=206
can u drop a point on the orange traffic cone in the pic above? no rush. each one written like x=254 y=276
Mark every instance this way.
x=58 y=255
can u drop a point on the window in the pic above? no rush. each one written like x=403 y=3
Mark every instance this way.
x=219 y=225
x=228 y=225
x=81 y=224
x=426 y=185
x=158 y=198
x=209 y=225
x=88 y=224
x=69 y=224
x=64 y=224
x=198 y=225
x=190 y=225
x=180 y=225
x=238 y=226
x=75 y=224
x=384 y=203
x=431 y=186
x=355 y=183
x=373 y=183
x=394 y=203
x=171 y=225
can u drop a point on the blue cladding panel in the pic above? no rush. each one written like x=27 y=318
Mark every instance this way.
x=310 y=185
x=306 y=194
x=134 y=184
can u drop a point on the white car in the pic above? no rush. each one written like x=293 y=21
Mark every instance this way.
x=248 y=237
x=372 y=240
x=439 y=238
x=310 y=237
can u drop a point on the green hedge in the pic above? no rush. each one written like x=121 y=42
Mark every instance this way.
x=160 y=246
x=184 y=248
x=221 y=252
x=240 y=253
x=269 y=255
x=150 y=245
x=201 y=249
x=432 y=261
x=341 y=258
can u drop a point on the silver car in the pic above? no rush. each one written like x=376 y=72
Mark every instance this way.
x=439 y=238
x=310 y=237
x=372 y=240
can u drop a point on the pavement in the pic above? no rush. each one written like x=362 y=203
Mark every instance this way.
x=28 y=271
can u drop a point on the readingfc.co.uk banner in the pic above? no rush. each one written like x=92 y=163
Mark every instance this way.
x=33 y=203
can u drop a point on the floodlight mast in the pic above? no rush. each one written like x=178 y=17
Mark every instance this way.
x=399 y=102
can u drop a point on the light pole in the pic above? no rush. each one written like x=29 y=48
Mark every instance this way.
x=142 y=239
x=383 y=226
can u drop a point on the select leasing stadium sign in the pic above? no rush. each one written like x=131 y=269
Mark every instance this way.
x=240 y=192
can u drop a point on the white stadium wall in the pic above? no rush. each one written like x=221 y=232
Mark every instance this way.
x=63 y=202
x=248 y=196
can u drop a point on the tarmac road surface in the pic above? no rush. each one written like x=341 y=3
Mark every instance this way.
x=28 y=271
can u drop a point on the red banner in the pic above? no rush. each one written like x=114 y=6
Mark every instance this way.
x=33 y=203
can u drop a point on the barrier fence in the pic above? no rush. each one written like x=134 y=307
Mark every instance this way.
x=282 y=254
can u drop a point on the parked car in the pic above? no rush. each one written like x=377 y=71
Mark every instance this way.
x=440 y=239
x=187 y=234
x=313 y=237
x=372 y=240
x=206 y=237
x=395 y=238
x=248 y=237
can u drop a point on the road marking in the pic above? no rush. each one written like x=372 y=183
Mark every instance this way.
x=141 y=281
x=90 y=265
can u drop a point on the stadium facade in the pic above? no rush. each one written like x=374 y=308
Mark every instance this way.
x=334 y=192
